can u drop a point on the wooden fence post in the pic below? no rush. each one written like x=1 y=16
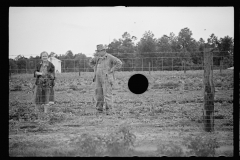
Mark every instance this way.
x=10 y=72
x=132 y=65
x=221 y=66
x=208 y=110
x=152 y=64
x=74 y=66
x=26 y=67
x=184 y=66
x=149 y=67
x=64 y=66
x=162 y=63
x=84 y=65
x=79 y=68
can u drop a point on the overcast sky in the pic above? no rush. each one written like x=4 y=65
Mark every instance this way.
x=79 y=29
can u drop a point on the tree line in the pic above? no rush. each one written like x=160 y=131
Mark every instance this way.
x=139 y=54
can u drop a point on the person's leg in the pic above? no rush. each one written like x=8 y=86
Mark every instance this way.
x=107 y=92
x=99 y=94
x=37 y=93
x=51 y=97
x=46 y=95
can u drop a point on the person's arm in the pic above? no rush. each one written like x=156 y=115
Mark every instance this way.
x=92 y=62
x=36 y=72
x=52 y=72
x=117 y=64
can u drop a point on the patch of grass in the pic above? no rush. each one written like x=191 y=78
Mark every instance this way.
x=87 y=145
x=201 y=145
x=17 y=88
x=156 y=86
x=120 y=142
x=60 y=89
x=170 y=85
x=56 y=117
x=21 y=111
x=73 y=87
x=170 y=150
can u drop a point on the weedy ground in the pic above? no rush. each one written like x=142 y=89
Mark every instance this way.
x=164 y=121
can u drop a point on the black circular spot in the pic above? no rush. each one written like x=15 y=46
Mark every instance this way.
x=138 y=83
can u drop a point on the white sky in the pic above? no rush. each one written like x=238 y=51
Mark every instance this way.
x=79 y=29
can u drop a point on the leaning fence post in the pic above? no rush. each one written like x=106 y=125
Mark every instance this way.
x=208 y=110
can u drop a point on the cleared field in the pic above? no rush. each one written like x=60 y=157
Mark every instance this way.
x=168 y=114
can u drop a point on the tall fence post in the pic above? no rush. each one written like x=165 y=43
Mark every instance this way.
x=184 y=66
x=132 y=65
x=142 y=64
x=26 y=67
x=162 y=63
x=221 y=66
x=208 y=110
x=10 y=71
x=74 y=66
x=64 y=65
x=84 y=65
x=149 y=67
x=152 y=64
x=79 y=68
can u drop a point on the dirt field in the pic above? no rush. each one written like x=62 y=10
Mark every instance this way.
x=166 y=115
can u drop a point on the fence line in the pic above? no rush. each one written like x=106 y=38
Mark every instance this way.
x=138 y=63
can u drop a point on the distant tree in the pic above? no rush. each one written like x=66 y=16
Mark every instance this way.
x=12 y=65
x=115 y=46
x=173 y=40
x=21 y=62
x=147 y=43
x=69 y=62
x=164 y=44
x=213 y=40
x=184 y=40
x=127 y=43
x=81 y=62
x=226 y=48
x=69 y=54
x=123 y=45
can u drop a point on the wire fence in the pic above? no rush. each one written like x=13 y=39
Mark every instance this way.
x=131 y=64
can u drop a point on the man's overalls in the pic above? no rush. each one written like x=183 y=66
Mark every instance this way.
x=103 y=78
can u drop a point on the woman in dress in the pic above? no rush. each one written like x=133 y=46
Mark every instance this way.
x=45 y=75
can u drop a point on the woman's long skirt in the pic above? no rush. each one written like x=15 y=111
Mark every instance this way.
x=51 y=97
x=41 y=95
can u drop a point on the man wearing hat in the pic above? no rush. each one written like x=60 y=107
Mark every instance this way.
x=104 y=66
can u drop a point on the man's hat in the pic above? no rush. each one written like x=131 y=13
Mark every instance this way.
x=100 y=47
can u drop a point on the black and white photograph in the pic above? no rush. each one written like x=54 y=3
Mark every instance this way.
x=121 y=81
